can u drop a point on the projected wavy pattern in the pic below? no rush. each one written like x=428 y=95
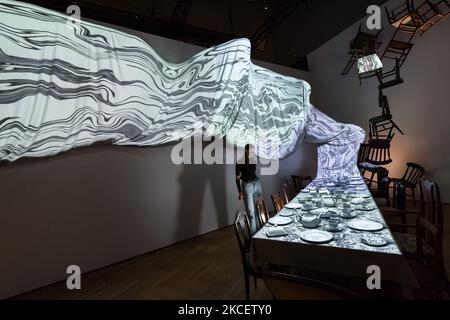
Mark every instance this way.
x=338 y=146
x=63 y=87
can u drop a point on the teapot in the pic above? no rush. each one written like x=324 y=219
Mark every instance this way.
x=311 y=220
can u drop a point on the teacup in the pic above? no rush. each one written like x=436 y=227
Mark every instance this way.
x=308 y=205
x=347 y=212
x=333 y=223
x=346 y=205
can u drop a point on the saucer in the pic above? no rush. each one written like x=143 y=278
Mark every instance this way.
x=352 y=215
x=338 y=229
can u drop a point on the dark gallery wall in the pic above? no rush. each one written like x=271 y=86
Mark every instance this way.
x=420 y=106
x=99 y=205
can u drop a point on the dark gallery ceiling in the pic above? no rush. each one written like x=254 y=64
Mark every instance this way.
x=281 y=31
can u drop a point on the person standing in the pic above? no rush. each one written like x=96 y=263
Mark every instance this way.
x=248 y=185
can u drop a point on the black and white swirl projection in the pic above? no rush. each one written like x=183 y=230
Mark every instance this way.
x=66 y=85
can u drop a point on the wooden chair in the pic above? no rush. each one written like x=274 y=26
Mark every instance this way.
x=263 y=213
x=288 y=287
x=381 y=192
x=299 y=182
x=278 y=202
x=243 y=234
x=381 y=132
x=426 y=245
x=365 y=166
x=361 y=45
x=290 y=183
x=287 y=193
x=411 y=177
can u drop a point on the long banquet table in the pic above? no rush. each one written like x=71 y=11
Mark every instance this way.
x=345 y=254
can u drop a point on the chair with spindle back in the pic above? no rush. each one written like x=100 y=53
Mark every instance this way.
x=243 y=234
x=381 y=132
x=365 y=166
x=426 y=245
x=290 y=183
x=263 y=213
x=286 y=192
x=278 y=202
x=411 y=177
x=299 y=182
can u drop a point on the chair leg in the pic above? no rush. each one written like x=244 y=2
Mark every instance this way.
x=247 y=285
x=444 y=276
x=394 y=196
x=414 y=196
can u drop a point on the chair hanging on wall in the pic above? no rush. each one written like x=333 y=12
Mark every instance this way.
x=408 y=17
x=362 y=45
x=407 y=20
x=381 y=132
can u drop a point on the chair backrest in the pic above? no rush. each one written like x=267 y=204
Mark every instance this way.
x=404 y=9
x=430 y=221
x=243 y=233
x=291 y=185
x=263 y=214
x=363 y=152
x=381 y=128
x=288 y=287
x=286 y=193
x=379 y=152
x=301 y=182
x=414 y=172
x=278 y=202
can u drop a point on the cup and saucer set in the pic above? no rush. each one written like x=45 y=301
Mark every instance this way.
x=334 y=222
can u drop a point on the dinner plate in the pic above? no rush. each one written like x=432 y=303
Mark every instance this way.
x=366 y=208
x=374 y=240
x=364 y=195
x=365 y=225
x=287 y=213
x=280 y=221
x=358 y=200
x=312 y=208
x=293 y=205
x=316 y=236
